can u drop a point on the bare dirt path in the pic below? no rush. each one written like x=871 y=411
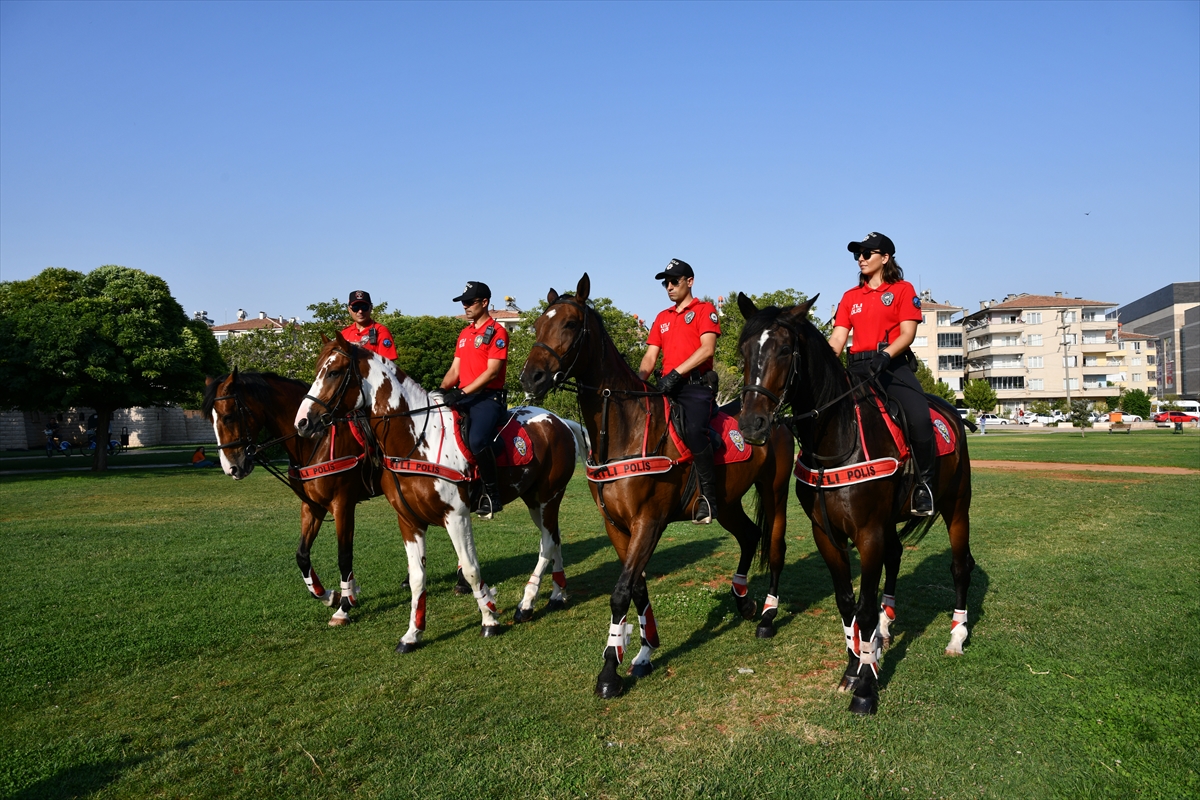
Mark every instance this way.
x=1053 y=466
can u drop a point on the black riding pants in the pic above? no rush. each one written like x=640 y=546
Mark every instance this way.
x=901 y=385
x=697 y=402
x=484 y=412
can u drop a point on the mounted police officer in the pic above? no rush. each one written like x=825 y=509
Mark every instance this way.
x=686 y=335
x=474 y=385
x=364 y=331
x=883 y=312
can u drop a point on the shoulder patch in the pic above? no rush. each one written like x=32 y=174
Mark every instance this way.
x=500 y=346
x=387 y=342
x=916 y=301
x=887 y=298
x=713 y=316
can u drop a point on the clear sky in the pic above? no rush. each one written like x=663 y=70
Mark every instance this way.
x=266 y=156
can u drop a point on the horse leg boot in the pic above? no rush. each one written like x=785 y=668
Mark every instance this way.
x=706 y=473
x=489 y=498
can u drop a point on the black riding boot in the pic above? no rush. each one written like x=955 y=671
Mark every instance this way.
x=706 y=501
x=489 y=498
x=925 y=454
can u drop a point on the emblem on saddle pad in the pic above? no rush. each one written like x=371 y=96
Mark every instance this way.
x=942 y=430
x=519 y=443
x=735 y=436
x=688 y=317
x=887 y=298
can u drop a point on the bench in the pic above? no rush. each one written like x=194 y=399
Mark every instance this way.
x=1120 y=427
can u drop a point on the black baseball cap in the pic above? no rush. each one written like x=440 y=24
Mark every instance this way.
x=359 y=297
x=871 y=242
x=676 y=269
x=474 y=290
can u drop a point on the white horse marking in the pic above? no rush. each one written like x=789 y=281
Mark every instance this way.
x=550 y=314
x=226 y=464
x=315 y=391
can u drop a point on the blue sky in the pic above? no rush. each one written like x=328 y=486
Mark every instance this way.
x=266 y=156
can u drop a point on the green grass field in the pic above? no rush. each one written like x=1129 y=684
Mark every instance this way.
x=159 y=643
x=1145 y=448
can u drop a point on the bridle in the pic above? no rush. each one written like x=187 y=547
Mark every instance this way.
x=326 y=419
x=561 y=376
x=781 y=398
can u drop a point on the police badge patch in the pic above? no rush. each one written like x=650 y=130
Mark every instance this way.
x=387 y=342
x=688 y=317
x=916 y=301
x=887 y=298
x=942 y=431
x=500 y=346
x=735 y=436
x=479 y=340
x=519 y=443
x=713 y=316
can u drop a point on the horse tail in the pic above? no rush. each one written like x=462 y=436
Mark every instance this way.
x=916 y=528
x=764 y=526
x=582 y=443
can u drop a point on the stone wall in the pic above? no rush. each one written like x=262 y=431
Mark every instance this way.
x=146 y=427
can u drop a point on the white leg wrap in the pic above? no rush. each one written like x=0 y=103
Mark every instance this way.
x=643 y=656
x=350 y=589
x=958 y=633
x=618 y=637
x=851 y=633
x=531 y=590
x=485 y=598
x=887 y=614
x=868 y=653
x=771 y=602
x=740 y=585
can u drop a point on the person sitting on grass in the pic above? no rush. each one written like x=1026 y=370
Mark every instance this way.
x=201 y=460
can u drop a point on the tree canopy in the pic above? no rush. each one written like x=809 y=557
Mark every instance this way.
x=1135 y=401
x=112 y=338
x=980 y=396
x=934 y=387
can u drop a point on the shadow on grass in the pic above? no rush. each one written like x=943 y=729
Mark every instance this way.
x=80 y=780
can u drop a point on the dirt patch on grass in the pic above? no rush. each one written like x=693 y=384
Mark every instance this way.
x=1052 y=466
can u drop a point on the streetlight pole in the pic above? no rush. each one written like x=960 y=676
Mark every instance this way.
x=1065 y=329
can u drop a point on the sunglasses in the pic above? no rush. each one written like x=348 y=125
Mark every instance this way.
x=672 y=281
x=865 y=256
x=469 y=303
x=360 y=307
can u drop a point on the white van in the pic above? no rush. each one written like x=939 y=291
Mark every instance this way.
x=1186 y=406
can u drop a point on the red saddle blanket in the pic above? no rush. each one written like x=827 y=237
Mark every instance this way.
x=944 y=429
x=518 y=447
x=730 y=448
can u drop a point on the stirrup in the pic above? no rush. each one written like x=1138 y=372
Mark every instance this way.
x=486 y=507
x=702 y=513
x=922 y=500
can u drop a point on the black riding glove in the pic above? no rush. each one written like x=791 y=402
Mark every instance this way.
x=880 y=361
x=668 y=383
x=452 y=396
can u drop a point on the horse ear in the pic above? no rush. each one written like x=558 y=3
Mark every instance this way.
x=552 y=295
x=800 y=313
x=233 y=375
x=209 y=380
x=746 y=305
x=583 y=289
x=324 y=338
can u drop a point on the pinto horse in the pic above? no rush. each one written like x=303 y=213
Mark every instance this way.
x=788 y=362
x=428 y=470
x=628 y=427
x=329 y=474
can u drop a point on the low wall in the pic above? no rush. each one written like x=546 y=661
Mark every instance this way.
x=22 y=430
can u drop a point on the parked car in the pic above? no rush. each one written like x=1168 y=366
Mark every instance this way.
x=992 y=419
x=1168 y=418
x=1126 y=418
x=1044 y=419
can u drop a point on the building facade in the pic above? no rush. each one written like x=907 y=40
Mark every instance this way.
x=1171 y=316
x=939 y=341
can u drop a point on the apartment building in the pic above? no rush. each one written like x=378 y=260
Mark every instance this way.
x=939 y=341
x=1039 y=347
x=1171 y=315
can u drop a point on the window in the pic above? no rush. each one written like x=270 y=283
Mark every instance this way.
x=1006 y=382
x=950 y=340
x=1070 y=361
x=1035 y=340
x=1137 y=347
x=1033 y=317
x=1115 y=362
x=1074 y=384
x=1149 y=361
x=1135 y=361
x=1007 y=341
x=1094 y=337
x=1091 y=361
x=979 y=342
x=1137 y=377
x=1006 y=362
x=1091 y=316
x=924 y=318
x=1070 y=338
x=1034 y=362
x=1068 y=316
x=921 y=341
x=944 y=318
x=1037 y=384
x=950 y=363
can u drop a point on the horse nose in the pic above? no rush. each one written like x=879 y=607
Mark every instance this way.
x=234 y=472
x=533 y=379
x=302 y=424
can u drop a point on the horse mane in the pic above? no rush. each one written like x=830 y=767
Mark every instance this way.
x=254 y=385
x=605 y=337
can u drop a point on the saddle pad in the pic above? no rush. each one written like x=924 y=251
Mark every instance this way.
x=944 y=429
x=731 y=448
x=518 y=447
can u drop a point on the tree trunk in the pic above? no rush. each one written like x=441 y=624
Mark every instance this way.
x=104 y=421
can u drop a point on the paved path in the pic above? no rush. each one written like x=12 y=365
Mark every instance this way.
x=1051 y=466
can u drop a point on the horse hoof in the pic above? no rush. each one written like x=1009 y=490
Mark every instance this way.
x=556 y=605
x=864 y=706
x=489 y=631
x=336 y=622
x=407 y=647
x=607 y=690
x=641 y=670
x=462 y=588
x=521 y=615
x=405 y=584
x=765 y=631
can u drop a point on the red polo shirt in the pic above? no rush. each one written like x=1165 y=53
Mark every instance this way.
x=384 y=345
x=677 y=333
x=874 y=315
x=473 y=353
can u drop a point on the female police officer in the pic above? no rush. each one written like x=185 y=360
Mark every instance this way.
x=883 y=312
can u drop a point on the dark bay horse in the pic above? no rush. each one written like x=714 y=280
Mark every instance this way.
x=427 y=469
x=788 y=362
x=628 y=428
x=242 y=405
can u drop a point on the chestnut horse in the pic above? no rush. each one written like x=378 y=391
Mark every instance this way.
x=242 y=405
x=427 y=470
x=628 y=428
x=788 y=362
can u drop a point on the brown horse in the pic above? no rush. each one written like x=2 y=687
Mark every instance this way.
x=242 y=405
x=628 y=429
x=427 y=481
x=788 y=362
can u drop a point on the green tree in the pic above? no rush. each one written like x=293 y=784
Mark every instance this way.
x=732 y=322
x=113 y=338
x=291 y=352
x=1040 y=408
x=425 y=346
x=1135 y=401
x=980 y=396
x=931 y=386
x=1081 y=416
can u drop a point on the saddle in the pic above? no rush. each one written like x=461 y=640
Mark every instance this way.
x=517 y=446
x=728 y=445
x=944 y=427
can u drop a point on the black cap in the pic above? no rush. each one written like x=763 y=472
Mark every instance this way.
x=474 y=290
x=359 y=297
x=676 y=269
x=871 y=242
